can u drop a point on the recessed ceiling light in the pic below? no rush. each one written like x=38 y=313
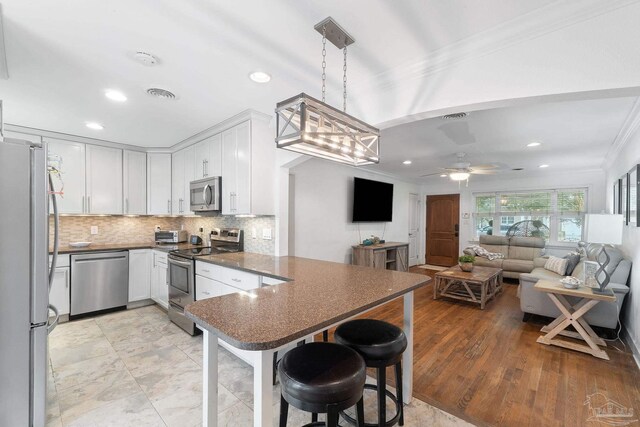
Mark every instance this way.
x=260 y=77
x=533 y=144
x=115 y=95
x=406 y=162
x=94 y=125
x=444 y=175
x=543 y=166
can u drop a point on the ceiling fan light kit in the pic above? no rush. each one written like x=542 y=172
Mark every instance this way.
x=309 y=126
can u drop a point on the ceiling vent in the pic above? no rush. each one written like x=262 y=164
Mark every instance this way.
x=160 y=93
x=145 y=58
x=455 y=116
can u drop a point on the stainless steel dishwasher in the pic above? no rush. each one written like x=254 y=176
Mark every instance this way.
x=99 y=281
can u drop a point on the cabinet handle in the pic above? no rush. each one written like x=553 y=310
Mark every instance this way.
x=83 y=208
x=206 y=271
x=126 y=203
x=89 y=204
x=206 y=173
x=203 y=168
x=236 y=280
x=169 y=206
x=206 y=293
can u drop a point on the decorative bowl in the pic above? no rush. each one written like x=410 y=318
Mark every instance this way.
x=571 y=282
x=466 y=266
x=79 y=244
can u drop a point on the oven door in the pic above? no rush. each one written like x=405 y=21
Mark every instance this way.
x=181 y=278
x=204 y=195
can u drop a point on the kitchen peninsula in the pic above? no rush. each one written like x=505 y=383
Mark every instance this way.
x=316 y=295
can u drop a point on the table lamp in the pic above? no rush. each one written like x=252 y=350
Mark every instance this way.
x=604 y=229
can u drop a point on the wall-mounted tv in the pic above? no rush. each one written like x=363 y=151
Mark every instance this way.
x=372 y=201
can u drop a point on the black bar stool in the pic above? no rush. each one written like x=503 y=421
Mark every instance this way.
x=322 y=378
x=381 y=344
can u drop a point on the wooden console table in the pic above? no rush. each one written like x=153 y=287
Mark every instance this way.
x=385 y=256
x=572 y=315
x=477 y=286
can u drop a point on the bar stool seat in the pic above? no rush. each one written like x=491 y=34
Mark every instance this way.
x=321 y=377
x=381 y=344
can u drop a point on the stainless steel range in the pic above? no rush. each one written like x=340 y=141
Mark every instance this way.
x=182 y=276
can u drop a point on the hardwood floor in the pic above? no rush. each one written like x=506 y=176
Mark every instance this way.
x=485 y=366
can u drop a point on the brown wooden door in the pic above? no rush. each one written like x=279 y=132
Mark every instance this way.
x=443 y=213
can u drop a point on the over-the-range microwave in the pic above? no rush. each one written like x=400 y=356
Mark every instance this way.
x=205 y=194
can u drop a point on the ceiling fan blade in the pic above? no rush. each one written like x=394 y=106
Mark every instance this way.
x=431 y=174
x=484 y=167
x=483 y=172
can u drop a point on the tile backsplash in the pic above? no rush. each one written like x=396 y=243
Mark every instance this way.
x=125 y=229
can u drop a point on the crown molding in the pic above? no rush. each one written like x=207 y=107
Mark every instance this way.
x=539 y=22
x=4 y=70
x=627 y=131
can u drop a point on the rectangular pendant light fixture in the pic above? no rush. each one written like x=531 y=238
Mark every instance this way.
x=309 y=126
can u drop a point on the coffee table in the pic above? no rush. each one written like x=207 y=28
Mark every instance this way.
x=477 y=286
x=572 y=315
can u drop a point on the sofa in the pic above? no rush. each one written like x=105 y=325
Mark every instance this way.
x=604 y=314
x=519 y=253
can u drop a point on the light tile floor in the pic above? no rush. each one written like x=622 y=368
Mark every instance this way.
x=136 y=368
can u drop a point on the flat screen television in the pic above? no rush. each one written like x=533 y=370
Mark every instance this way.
x=372 y=201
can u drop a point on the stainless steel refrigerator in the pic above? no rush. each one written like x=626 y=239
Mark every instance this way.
x=24 y=282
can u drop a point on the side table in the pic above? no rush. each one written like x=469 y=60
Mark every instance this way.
x=571 y=315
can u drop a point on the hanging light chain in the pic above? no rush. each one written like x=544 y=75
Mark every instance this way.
x=324 y=62
x=344 y=80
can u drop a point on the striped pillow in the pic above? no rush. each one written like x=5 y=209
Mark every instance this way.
x=557 y=265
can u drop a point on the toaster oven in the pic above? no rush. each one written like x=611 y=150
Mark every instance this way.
x=172 y=236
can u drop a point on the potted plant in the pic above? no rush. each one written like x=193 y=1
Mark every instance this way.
x=466 y=262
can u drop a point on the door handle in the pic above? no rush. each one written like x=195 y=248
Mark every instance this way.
x=456 y=227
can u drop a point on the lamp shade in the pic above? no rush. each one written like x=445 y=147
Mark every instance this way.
x=604 y=228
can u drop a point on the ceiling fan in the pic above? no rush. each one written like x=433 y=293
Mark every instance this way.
x=461 y=170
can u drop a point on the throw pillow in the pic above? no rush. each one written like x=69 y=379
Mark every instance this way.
x=573 y=259
x=557 y=265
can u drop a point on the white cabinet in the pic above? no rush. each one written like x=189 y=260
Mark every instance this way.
x=208 y=157
x=248 y=156
x=240 y=280
x=182 y=173
x=134 y=166
x=139 y=274
x=60 y=295
x=158 y=183
x=209 y=288
x=104 y=180
x=72 y=175
x=159 y=280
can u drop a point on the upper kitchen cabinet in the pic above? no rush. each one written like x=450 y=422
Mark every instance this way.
x=183 y=165
x=208 y=161
x=134 y=165
x=104 y=180
x=248 y=158
x=71 y=180
x=159 y=183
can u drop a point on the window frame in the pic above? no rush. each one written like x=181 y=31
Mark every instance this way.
x=554 y=214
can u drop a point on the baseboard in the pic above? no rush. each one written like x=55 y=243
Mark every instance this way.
x=141 y=303
x=632 y=345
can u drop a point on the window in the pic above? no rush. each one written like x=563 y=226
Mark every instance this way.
x=556 y=213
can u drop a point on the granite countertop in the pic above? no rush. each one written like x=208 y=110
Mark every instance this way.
x=317 y=294
x=97 y=247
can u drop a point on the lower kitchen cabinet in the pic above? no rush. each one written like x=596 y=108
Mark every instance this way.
x=209 y=288
x=159 y=280
x=139 y=274
x=60 y=295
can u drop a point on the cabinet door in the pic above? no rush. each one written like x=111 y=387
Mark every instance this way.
x=163 y=287
x=59 y=294
x=242 y=202
x=158 y=183
x=228 y=171
x=177 y=182
x=104 y=180
x=72 y=175
x=189 y=175
x=202 y=157
x=135 y=182
x=380 y=259
x=139 y=275
x=402 y=258
x=214 y=165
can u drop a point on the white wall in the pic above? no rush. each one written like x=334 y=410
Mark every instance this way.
x=322 y=207
x=593 y=180
x=621 y=164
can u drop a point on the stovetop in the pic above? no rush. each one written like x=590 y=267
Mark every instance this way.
x=196 y=252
